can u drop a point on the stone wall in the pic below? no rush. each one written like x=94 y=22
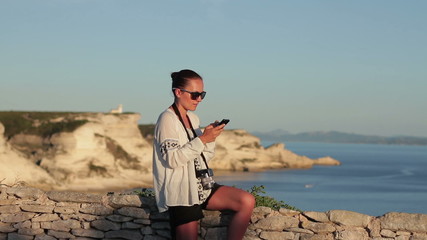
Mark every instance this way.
x=29 y=213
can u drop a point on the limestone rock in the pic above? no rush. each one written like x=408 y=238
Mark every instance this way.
x=119 y=218
x=46 y=218
x=44 y=237
x=268 y=235
x=388 y=233
x=37 y=208
x=239 y=150
x=217 y=233
x=6 y=228
x=318 y=227
x=328 y=236
x=288 y=212
x=419 y=236
x=17 y=236
x=105 y=225
x=374 y=228
x=60 y=235
x=15 y=218
x=26 y=192
x=160 y=225
x=404 y=221
x=20 y=225
x=74 y=197
x=316 y=216
x=106 y=151
x=349 y=218
x=61 y=225
x=131 y=225
x=276 y=223
x=30 y=231
x=87 y=233
x=96 y=209
x=9 y=209
x=326 y=161
x=17 y=168
x=352 y=234
x=134 y=212
x=124 y=234
x=125 y=200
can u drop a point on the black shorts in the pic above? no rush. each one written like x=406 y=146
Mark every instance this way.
x=179 y=215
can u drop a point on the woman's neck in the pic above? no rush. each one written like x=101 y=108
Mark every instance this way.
x=181 y=109
x=183 y=113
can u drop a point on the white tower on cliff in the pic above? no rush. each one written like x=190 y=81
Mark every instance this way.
x=119 y=109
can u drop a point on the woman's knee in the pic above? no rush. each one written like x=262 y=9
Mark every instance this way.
x=246 y=201
x=249 y=201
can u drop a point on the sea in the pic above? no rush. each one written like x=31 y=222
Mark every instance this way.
x=373 y=179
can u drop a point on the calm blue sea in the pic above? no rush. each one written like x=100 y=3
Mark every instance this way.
x=373 y=179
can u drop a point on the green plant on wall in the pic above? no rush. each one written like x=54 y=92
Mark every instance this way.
x=145 y=192
x=267 y=201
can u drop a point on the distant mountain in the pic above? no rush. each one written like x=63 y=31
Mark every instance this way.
x=338 y=137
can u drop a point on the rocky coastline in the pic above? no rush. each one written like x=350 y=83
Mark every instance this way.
x=107 y=151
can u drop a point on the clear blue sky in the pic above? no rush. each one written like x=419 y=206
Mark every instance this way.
x=352 y=66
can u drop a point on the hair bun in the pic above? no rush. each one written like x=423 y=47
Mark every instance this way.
x=174 y=75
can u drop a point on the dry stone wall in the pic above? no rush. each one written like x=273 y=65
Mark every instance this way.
x=29 y=213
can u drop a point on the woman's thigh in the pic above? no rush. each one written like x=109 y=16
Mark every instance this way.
x=230 y=198
x=187 y=231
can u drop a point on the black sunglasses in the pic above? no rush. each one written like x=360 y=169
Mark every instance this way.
x=194 y=95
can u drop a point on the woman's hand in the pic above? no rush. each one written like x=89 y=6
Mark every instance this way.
x=211 y=132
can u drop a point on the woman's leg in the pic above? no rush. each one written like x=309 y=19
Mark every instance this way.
x=240 y=201
x=187 y=231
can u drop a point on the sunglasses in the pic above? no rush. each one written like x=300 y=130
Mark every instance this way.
x=194 y=95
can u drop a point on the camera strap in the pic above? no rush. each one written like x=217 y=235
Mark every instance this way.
x=175 y=108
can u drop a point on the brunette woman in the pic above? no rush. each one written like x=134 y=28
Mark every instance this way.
x=183 y=182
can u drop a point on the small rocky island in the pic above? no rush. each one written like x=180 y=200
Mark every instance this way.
x=98 y=151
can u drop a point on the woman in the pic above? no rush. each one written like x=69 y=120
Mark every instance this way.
x=181 y=155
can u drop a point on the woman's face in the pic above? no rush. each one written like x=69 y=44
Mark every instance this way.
x=185 y=99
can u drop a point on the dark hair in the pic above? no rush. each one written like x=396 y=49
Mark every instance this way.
x=180 y=79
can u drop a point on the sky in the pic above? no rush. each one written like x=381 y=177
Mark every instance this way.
x=351 y=66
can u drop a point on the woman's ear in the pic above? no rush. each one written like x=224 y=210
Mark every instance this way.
x=177 y=92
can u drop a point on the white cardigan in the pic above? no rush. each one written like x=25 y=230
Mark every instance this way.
x=175 y=182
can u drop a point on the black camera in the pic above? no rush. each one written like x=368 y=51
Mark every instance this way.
x=205 y=176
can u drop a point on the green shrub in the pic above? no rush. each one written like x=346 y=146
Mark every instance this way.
x=145 y=192
x=38 y=123
x=267 y=201
x=247 y=160
x=48 y=129
x=124 y=159
x=95 y=170
x=146 y=129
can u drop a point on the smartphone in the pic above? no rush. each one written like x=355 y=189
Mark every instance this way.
x=223 y=121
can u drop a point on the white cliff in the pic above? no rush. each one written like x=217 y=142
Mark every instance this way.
x=15 y=167
x=239 y=150
x=106 y=152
